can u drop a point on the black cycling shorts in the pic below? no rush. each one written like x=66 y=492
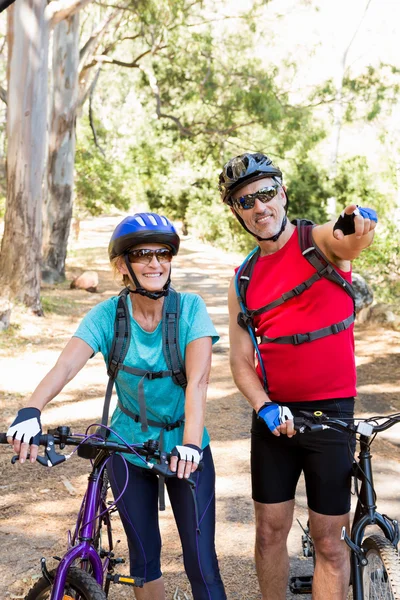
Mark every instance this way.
x=325 y=457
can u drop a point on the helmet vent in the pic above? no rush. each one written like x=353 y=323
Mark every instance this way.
x=152 y=219
x=140 y=221
x=164 y=221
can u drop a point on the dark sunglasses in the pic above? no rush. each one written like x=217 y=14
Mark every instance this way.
x=144 y=256
x=264 y=195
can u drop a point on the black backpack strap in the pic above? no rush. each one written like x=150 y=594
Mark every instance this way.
x=170 y=338
x=119 y=348
x=245 y=317
x=300 y=338
x=317 y=258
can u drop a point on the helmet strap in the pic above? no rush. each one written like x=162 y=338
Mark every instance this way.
x=141 y=290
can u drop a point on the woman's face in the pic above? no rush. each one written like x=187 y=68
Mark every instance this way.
x=151 y=264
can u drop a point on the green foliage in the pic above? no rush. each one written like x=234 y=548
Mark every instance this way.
x=204 y=93
x=355 y=184
x=380 y=263
x=99 y=181
x=308 y=191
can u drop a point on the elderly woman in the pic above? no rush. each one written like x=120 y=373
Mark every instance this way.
x=141 y=250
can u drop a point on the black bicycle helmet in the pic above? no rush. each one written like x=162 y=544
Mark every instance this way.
x=244 y=169
x=143 y=228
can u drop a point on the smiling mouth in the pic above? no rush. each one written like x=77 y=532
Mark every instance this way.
x=263 y=219
x=152 y=275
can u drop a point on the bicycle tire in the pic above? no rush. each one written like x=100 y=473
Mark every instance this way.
x=78 y=582
x=381 y=577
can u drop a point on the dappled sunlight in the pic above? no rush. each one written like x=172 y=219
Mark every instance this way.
x=87 y=410
x=381 y=388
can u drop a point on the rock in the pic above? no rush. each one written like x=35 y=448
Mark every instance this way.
x=89 y=280
x=364 y=294
x=382 y=314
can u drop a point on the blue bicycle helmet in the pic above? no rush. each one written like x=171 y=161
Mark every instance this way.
x=143 y=228
x=244 y=169
x=140 y=229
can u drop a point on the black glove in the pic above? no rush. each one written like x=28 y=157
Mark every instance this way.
x=188 y=452
x=26 y=426
x=346 y=222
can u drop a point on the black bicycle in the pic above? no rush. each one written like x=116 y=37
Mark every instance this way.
x=375 y=561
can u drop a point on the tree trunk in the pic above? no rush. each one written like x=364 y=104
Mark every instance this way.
x=61 y=156
x=26 y=129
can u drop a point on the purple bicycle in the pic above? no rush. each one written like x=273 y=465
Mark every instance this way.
x=86 y=570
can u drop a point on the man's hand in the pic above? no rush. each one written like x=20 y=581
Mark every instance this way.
x=355 y=220
x=279 y=419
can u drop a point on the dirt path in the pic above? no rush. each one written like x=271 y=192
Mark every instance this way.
x=39 y=505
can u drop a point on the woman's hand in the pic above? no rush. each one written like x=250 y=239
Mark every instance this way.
x=186 y=459
x=24 y=433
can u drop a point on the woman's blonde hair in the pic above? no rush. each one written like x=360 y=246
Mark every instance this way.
x=115 y=262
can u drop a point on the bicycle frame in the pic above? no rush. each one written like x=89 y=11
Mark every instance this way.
x=366 y=514
x=85 y=531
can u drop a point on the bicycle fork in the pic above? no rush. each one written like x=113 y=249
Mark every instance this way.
x=84 y=550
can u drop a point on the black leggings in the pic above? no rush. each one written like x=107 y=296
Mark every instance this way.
x=138 y=509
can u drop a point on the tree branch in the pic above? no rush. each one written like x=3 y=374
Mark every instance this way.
x=92 y=126
x=85 y=50
x=156 y=91
x=58 y=10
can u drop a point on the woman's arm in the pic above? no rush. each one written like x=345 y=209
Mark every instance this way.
x=71 y=360
x=197 y=365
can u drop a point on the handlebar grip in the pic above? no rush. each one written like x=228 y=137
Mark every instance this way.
x=3 y=438
x=302 y=425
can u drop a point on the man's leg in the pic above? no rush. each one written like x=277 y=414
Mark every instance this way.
x=273 y=523
x=332 y=568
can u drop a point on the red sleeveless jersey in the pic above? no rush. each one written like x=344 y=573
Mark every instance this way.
x=317 y=370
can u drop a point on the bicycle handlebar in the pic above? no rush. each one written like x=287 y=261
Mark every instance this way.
x=61 y=438
x=314 y=422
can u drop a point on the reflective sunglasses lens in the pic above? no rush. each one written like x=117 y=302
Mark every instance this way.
x=248 y=201
x=163 y=255
x=145 y=256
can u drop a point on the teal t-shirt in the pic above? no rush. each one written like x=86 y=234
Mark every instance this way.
x=165 y=401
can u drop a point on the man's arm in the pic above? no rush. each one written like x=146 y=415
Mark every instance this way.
x=242 y=356
x=243 y=365
x=340 y=248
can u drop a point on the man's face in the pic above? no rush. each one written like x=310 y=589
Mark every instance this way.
x=264 y=219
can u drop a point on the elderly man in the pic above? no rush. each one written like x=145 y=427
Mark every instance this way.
x=291 y=306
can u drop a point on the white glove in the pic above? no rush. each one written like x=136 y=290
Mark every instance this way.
x=26 y=426
x=188 y=452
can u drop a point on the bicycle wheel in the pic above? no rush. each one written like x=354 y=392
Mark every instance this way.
x=80 y=586
x=381 y=576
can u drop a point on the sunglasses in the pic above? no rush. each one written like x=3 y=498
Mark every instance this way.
x=264 y=195
x=144 y=256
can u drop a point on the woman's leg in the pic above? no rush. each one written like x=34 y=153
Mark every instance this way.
x=138 y=509
x=199 y=554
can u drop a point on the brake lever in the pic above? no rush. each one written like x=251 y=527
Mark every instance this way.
x=50 y=458
x=163 y=469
